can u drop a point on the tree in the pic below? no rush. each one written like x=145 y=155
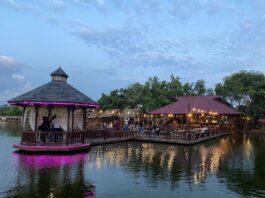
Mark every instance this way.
x=199 y=88
x=245 y=90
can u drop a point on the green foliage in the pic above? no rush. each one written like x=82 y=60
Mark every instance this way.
x=6 y=110
x=151 y=94
x=245 y=90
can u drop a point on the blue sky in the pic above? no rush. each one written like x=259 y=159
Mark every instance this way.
x=108 y=44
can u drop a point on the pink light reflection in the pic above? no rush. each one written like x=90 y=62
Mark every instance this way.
x=47 y=161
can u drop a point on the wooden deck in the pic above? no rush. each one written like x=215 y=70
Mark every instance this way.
x=82 y=140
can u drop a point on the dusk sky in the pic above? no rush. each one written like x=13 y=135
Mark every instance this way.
x=108 y=44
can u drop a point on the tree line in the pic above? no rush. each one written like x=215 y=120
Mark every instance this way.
x=7 y=110
x=244 y=90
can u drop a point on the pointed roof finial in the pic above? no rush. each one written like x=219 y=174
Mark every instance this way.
x=59 y=72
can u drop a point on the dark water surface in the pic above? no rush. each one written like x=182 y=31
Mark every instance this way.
x=233 y=166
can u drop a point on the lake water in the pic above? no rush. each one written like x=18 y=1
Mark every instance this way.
x=232 y=166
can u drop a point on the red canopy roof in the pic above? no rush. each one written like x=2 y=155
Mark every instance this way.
x=262 y=120
x=185 y=104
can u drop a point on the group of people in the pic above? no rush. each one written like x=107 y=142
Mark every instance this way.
x=48 y=124
x=138 y=124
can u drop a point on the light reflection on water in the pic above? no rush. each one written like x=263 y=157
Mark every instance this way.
x=232 y=166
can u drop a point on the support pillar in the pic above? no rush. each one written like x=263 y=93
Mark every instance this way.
x=84 y=119
x=36 y=119
x=73 y=112
x=68 y=119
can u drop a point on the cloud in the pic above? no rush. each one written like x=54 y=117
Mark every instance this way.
x=57 y=5
x=51 y=19
x=12 y=81
x=21 y=7
x=18 y=77
x=6 y=61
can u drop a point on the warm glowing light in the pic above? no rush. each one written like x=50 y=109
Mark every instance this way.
x=189 y=115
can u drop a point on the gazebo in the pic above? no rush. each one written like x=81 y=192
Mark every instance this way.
x=55 y=114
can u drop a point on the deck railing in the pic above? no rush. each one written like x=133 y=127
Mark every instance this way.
x=187 y=135
x=80 y=137
x=67 y=138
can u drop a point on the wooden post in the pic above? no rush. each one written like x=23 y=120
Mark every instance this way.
x=188 y=120
x=231 y=124
x=73 y=112
x=84 y=119
x=36 y=119
x=67 y=138
x=68 y=119
x=84 y=126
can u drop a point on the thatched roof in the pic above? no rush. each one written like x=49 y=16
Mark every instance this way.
x=56 y=92
x=130 y=113
x=110 y=113
x=93 y=114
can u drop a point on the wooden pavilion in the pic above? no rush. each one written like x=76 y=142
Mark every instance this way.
x=196 y=111
x=54 y=116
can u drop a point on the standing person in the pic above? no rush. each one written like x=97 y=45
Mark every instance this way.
x=118 y=124
x=141 y=126
x=126 y=124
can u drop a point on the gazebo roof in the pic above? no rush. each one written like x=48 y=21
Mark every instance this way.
x=56 y=92
x=59 y=72
x=261 y=120
x=186 y=104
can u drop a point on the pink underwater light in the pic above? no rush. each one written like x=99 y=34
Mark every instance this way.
x=47 y=161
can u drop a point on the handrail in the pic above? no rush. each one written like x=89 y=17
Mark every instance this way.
x=75 y=137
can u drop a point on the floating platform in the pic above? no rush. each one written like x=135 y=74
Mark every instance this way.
x=51 y=148
x=101 y=141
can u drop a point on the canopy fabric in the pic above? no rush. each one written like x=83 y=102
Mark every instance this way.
x=186 y=104
x=59 y=122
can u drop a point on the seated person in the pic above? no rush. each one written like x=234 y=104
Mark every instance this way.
x=156 y=129
x=110 y=125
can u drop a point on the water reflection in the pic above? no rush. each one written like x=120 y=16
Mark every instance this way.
x=47 y=161
x=51 y=176
x=10 y=128
x=234 y=160
x=231 y=166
